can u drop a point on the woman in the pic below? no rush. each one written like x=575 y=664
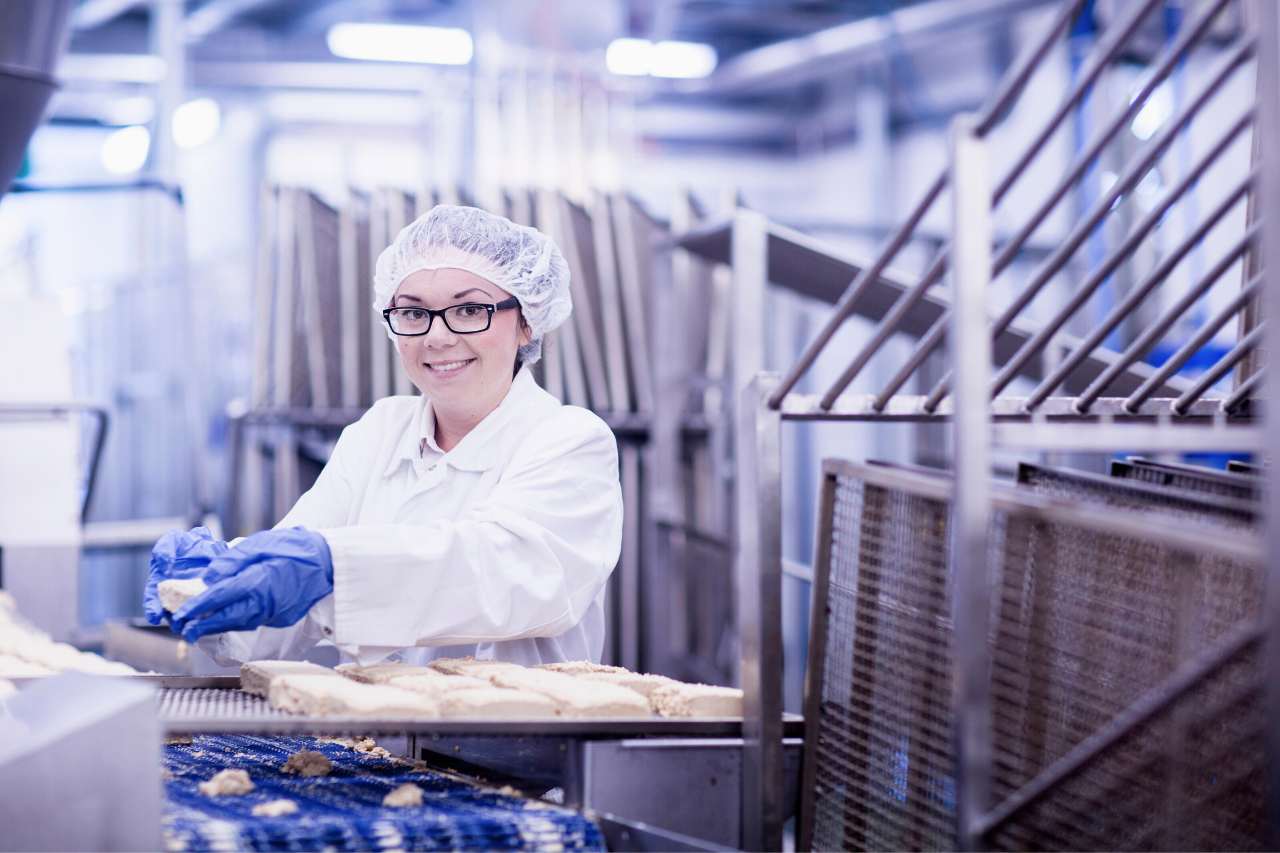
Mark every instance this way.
x=482 y=518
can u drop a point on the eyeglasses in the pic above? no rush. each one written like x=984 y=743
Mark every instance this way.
x=465 y=319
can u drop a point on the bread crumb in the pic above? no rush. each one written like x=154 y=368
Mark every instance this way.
x=308 y=762
x=275 y=808
x=407 y=795
x=227 y=783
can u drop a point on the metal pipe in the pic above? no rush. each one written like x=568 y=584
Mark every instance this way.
x=1130 y=177
x=886 y=326
x=1172 y=55
x=1146 y=389
x=971 y=352
x=1162 y=325
x=1150 y=282
x=855 y=290
x=1010 y=88
x=1244 y=390
x=934 y=336
x=1242 y=348
x=1206 y=332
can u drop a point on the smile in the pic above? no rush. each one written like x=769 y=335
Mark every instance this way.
x=449 y=366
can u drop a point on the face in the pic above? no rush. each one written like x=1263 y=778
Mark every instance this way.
x=466 y=375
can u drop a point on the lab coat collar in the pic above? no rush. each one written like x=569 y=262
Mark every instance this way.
x=475 y=452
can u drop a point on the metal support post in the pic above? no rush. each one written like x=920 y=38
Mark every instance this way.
x=971 y=355
x=758 y=539
x=1268 y=127
x=758 y=569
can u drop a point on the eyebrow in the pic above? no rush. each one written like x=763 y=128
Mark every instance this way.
x=472 y=290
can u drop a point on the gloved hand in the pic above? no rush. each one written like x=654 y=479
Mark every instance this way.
x=271 y=578
x=178 y=555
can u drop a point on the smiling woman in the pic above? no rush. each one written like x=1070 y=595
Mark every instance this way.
x=481 y=518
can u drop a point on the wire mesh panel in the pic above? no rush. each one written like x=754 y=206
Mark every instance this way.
x=1135 y=494
x=1088 y=624
x=883 y=754
x=1191 y=478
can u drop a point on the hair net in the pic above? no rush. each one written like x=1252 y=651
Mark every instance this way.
x=522 y=261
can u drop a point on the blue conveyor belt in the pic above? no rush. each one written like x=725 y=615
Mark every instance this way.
x=343 y=810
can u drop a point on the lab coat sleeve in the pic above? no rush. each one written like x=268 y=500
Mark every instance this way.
x=525 y=562
x=326 y=503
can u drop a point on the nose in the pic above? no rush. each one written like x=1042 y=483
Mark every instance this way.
x=439 y=335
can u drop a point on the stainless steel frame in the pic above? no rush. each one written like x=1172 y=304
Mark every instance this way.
x=1110 y=399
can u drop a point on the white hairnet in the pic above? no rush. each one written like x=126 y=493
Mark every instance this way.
x=521 y=260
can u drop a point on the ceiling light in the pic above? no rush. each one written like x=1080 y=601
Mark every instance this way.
x=640 y=57
x=682 y=59
x=401 y=43
x=125 y=150
x=629 y=57
x=196 y=122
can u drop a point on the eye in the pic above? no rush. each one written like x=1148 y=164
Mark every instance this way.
x=413 y=315
x=470 y=311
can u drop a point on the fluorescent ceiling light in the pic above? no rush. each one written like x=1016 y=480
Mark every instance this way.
x=401 y=43
x=196 y=122
x=125 y=150
x=629 y=57
x=638 y=57
x=683 y=59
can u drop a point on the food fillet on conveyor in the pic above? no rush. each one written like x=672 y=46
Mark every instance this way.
x=343 y=809
x=26 y=651
x=465 y=687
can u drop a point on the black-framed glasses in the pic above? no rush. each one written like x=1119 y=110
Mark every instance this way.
x=467 y=318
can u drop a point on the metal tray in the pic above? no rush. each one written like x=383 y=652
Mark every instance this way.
x=205 y=705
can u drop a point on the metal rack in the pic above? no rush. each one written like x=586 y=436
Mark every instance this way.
x=1085 y=396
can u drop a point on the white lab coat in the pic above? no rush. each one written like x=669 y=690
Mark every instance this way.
x=500 y=548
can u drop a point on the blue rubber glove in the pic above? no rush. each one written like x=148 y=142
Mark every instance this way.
x=178 y=555
x=271 y=578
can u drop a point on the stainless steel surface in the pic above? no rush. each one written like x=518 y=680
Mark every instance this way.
x=80 y=766
x=971 y=355
x=157 y=649
x=33 y=36
x=1054 y=410
x=689 y=786
x=1222 y=436
x=758 y=565
x=1268 y=18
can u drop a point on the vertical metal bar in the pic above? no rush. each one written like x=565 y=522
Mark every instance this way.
x=750 y=282
x=629 y=582
x=263 y=298
x=819 y=623
x=758 y=536
x=1269 y=200
x=971 y=354
x=283 y=335
x=758 y=565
